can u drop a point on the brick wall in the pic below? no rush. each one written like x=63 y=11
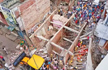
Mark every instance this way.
x=3 y=19
x=57 y=37
x=34 y=13
x=34 y=39
x=16 y=13
x=1 y=1
x=25 y=5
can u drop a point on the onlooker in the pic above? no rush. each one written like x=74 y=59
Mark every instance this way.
x=5 y=49
x=2 y=58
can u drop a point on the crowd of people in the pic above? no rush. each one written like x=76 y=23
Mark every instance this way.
x=87 y=12
x=84 y=12
x=54 y=62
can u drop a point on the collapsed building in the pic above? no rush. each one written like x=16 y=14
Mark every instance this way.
x=60 y=36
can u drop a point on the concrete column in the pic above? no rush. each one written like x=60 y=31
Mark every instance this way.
x=106 y=19
x=89 y=65
x=102 y=16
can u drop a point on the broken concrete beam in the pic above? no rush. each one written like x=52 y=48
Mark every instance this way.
x=83 y=38
x=43 y=38
x=78 y=53
x=85 y=34
x=55 y=23
x=57 y=46
x=14 y=34
x=70 y=53
x=76 y=25
x=71 y=29
x=67 y=40
x=89 y=65
x=81 y=49
x=63 y=53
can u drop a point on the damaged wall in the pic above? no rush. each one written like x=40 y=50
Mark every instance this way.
x=49 y=47
x=26 y=5
x=66 y=57
x=35 y=41
x=2 y=19
x=106 y=45
x=33 y=38
x=34 y=10
x=56 y=49
x=57 y=37
x=74 y=43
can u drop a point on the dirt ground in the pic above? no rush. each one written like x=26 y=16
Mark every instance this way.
x=10 y=47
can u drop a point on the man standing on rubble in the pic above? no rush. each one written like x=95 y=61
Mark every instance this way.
x=5 y=50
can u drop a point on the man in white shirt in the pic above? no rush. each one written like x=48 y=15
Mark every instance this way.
x=5 y=50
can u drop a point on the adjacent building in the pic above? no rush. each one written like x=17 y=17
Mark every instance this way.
x=28 y=13
x=101 y=30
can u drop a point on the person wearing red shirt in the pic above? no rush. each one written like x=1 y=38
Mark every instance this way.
x=101 y=10
x=92 y=13
x=2 y=58
x=98 y=6
x=76 y=21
